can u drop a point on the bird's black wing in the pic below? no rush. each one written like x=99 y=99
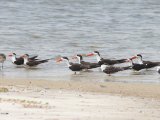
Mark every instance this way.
x=34 y=63
x=33 y=57
x=150 y=64
x=111 y=69
x=138 y=67
x=111 y=62
x=19 y=61
x=90 y=65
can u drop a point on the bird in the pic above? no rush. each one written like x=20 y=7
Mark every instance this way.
x=88 y=65
x=106 y=61
x=148 y=64
x=136 y=66
x=111 y=69
x=158 y=69
x=2 y=59
x=20 y=60
x=32 y=63
x=75 y=67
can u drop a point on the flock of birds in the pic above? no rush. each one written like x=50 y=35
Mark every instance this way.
x=106 y=65
x=23 y=60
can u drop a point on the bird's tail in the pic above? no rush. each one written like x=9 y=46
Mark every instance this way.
x=121 y=60
x=49 y=59
x=43 y=61
x=46 y=60
x=158 y=63
x=95 y=65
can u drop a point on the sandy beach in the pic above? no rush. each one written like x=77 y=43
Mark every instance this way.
x=41 y=42
x=60 y=100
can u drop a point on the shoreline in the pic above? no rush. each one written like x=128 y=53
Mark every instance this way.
x=142 y=90
x=73 y=100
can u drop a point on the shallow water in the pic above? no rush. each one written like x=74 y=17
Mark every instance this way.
x=116 y=28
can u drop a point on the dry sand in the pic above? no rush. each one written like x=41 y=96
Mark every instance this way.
x=60 y=100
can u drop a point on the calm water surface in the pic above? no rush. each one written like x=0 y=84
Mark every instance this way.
x=116 y=28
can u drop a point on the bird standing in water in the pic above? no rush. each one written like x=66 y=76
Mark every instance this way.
x=32 y=63
x=111 y=69
x=2 y=59
x=101 y=60
x=148 y=64
x=75 y=67
x=19 y=60
x=88 y=65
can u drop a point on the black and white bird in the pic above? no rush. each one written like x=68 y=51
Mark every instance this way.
x=148 y=64
x=19 y=60
x=75 y=67
x=2 y=59
x=136 y=66
x=88 y=65
x=32 y=63
x=106 y=61
x=111 y=69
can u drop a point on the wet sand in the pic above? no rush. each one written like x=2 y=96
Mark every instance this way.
x=60 y=100
x=142 y=90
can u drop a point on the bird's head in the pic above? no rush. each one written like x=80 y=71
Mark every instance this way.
x=62 y=59
x=139 y=56
x=94 y=53
x=11 y=54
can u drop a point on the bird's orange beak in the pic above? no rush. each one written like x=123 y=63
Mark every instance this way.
x=134 y=57
x=128 y=60
x=58 y=60
x=10 y=55
x=23 y=56
x=91 y=54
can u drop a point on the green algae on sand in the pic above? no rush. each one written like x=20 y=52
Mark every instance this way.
x=3 y=89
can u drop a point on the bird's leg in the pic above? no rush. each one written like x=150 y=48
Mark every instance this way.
x=75 y=73
x=2 y=65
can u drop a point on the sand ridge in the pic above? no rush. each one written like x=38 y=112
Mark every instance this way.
x=127 y=89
